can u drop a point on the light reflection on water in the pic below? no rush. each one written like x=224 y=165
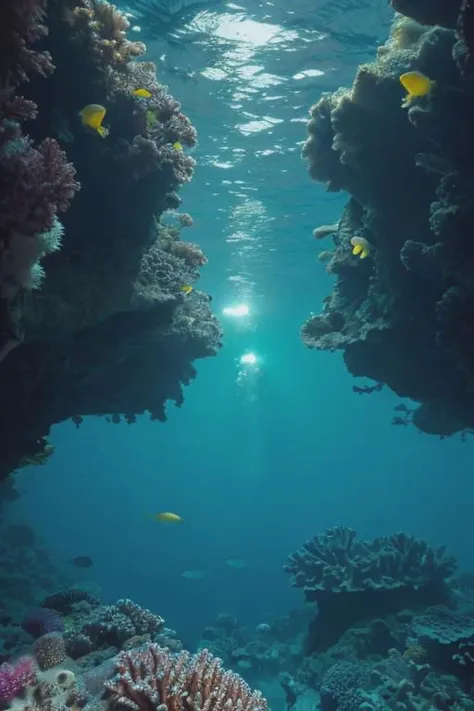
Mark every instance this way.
x=247 y=73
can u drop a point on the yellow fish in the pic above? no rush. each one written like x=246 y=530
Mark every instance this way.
x=186 y=289
x=142 y=93
x=92 y=116
x=168 y=517
x=177 y=146
x=361 y=246
x=416 y=84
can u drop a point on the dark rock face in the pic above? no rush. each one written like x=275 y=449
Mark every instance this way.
x=403 y=316
x=98 y=314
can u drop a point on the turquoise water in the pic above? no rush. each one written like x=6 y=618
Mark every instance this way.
x=255 y=464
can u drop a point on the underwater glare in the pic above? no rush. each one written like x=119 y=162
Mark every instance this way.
x=236 y=311
x=248 y=359
x=236 y=344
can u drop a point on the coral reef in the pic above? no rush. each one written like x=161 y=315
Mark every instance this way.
x=353 y=580
x=145 y=675
x=91 y=627
x=102 y=326
x=420 y=658
x=403 y=316
x=151 y=677
x=27 y=575
x=262 y=652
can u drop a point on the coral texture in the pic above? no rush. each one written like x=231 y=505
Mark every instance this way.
x=115 y=326
x=353 y=579
x=151 y=677
x=403 y=316
x=15 y=677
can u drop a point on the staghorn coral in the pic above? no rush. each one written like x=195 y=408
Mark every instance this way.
x=351 y=579
x=152 y=678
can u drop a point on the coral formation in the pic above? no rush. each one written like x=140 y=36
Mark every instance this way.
x=15 y=677
x=417 y=658
x=353 y=580
x=403 y=315
x=102 y=327
x=151 y=677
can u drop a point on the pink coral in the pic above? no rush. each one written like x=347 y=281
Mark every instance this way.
x=35 y=184
x=20 y=26
x=15 y=677
x=152 y=677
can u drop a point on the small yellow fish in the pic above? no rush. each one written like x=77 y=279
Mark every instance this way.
x=142 y=93
x=361 y=246
x=92 y=116
x=186 y=289
x=168 y=517
x=416 y=84
x=193 y=574
x=177 y=146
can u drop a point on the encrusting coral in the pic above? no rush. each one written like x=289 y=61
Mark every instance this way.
x=403 y=316
x=112 y=324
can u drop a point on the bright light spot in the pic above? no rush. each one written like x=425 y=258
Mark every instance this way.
x=248 y=359
x=236 y=311
x=309 y=73
x=136 y=28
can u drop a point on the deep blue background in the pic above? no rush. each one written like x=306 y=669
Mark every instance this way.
x=254 y=474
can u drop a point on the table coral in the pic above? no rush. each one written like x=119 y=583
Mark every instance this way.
x=352 y=580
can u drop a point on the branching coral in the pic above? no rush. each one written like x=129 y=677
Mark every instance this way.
x=14 y=678
x=151 y=678
x=35 y=183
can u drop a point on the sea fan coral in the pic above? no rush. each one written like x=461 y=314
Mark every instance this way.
x=151 y=676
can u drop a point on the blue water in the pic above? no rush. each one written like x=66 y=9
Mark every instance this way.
x=254 y=470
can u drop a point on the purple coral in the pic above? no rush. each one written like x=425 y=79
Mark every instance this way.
x=20 y=26
x=36 y=183
x=150 y=677
x=40 y=621
x=15 y=677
